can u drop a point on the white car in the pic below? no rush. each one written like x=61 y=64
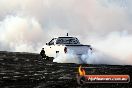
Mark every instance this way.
x=64 y=45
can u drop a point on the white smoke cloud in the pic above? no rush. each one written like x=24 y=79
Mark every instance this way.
x=116 y=47
x=68 y=58
x=20 y=33
x=25 y=25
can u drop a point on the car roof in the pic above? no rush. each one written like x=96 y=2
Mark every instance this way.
x=66 y=37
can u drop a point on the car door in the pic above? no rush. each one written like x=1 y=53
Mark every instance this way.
x=51 y=48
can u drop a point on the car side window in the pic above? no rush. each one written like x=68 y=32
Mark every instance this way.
x=59 y=41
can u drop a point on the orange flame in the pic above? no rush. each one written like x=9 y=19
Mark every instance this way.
x=81 y=71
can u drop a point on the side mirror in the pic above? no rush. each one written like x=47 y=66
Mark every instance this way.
x=47 y=43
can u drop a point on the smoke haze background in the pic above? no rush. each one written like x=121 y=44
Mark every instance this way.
x=26 y=25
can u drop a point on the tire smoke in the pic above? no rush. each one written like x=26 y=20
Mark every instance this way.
x=25 y=26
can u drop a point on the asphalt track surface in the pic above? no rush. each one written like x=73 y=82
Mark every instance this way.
x=29 y=70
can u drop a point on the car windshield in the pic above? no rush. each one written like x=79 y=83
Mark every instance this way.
x=52 y=42
x=67 y=40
